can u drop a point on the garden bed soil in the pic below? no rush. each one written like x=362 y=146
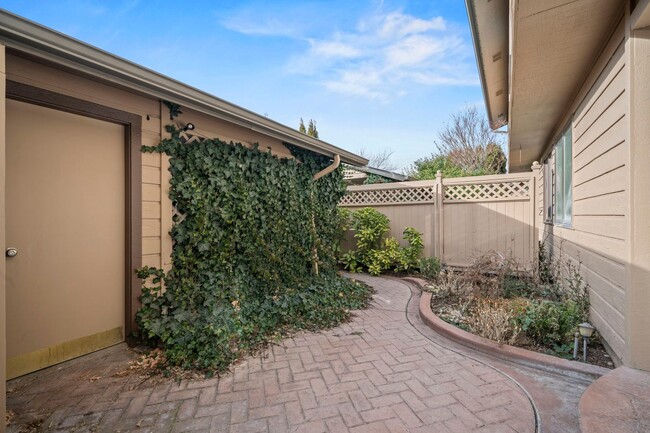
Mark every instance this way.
x=596 y=353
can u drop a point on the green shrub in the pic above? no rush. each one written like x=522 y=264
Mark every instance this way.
x=430 y=268
x=515 y=286
x=344 y=219
x=409 y=257
x=376 y=253
x=253 y=231
x=370 y=227
x=384 y=258
x=550 y=322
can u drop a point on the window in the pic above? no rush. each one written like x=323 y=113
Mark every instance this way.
x=563 y=182
x=558 y=193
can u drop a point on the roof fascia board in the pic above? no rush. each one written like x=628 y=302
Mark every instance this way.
x=471 y=16
x=641 y=15
x=381 y=172
x=512 y=27
x=38 y=41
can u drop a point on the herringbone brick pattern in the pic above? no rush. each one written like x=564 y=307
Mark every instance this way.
x=374 y=374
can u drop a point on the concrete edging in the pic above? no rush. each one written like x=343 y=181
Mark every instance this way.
x=504 y=351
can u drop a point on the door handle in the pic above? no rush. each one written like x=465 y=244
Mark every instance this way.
x=11 y=252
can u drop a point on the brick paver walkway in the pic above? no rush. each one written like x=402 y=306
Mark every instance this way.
x=374 y=374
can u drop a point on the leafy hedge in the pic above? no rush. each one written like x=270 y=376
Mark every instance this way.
x=376 y=252
x=244 y=252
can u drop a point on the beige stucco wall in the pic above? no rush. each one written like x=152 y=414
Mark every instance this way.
x=598 y=238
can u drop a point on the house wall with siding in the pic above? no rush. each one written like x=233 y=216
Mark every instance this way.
x=638 y=293
x=156 y=206
x=3 y=244
x=598 y=238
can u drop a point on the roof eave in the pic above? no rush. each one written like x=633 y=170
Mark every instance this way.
x=384 y=173
x=471 y=16
x=498 y=13
x=34 y=39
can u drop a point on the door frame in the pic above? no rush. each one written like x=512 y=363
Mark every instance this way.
x=133 y=177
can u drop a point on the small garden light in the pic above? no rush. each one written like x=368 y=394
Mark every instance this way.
x=585 y=330
x=189 y=127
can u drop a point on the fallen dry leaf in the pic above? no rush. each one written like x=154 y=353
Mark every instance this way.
x=10 y=416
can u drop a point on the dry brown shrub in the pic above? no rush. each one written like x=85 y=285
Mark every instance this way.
x=153 y=365
x=487 y=272
x=9 y=416
x=494 y=319
x=451 y=286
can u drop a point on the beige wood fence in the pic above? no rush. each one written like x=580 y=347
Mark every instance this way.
x=459 y=218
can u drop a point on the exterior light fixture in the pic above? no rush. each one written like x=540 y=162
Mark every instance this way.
x=585 y=330
x=189 y=127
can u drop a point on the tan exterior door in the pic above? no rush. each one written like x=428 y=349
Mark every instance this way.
x=65 y=215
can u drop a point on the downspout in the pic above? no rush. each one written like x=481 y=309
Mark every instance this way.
x=330 y=168
x=324 y=172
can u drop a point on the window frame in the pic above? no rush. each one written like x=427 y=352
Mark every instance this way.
x=558 y=181
x=548 y=174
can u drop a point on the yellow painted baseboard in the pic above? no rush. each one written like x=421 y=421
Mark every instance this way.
x=29 y=362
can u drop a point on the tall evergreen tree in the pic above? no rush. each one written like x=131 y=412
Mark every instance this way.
x=311 y=129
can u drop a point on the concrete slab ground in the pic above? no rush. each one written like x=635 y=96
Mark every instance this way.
x=617 y=402
x=384 y=371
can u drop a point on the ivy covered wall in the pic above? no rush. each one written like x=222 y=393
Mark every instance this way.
x=253 y=252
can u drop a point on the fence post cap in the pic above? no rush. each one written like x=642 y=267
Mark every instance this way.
x=438 y=173
x=535 y=165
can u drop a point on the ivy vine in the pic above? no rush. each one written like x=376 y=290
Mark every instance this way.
x=174 y=109
x=243 y=252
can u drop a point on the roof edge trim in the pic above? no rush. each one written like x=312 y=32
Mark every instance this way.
x=471 y=16
x=27 y=36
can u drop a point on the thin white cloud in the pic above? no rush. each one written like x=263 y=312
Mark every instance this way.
x=333 y=49
x=396 y=23
x=360 y=82
x=414 y=50
x=386 y=55
x=264 y=27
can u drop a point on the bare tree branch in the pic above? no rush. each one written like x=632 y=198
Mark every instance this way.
x=379 y=159
x=468 y=141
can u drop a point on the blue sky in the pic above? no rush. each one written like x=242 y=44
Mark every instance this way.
x=373 y=74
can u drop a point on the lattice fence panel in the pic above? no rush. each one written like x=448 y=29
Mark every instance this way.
x=417 y=195
x=189 y=138
x=488 y=191
x=349 y=173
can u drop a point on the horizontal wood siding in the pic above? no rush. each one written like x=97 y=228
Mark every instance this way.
x=598 y=240
x=156 y=206
x=211 y=127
